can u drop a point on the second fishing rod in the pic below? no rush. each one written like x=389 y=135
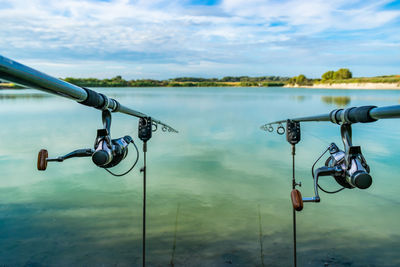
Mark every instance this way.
x=348 y=167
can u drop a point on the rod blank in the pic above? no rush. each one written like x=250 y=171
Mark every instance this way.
x=363 y=114
x=15 y=72
x=385 y=112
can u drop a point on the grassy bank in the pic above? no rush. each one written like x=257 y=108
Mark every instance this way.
x=378 y=79
x=379 y=82
x=244 y=81
x=343 y=79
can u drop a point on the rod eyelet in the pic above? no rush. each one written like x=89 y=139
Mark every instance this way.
x=280 y=130
x=155 y=127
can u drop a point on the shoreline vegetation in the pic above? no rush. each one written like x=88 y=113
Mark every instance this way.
x=340 y=79
x=352 y=86
x=343 y=79
x=229 y=81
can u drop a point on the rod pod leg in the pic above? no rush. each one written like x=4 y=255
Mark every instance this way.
x=293 y=136
x=294 y=211
x=144 y=171
x=145 y=134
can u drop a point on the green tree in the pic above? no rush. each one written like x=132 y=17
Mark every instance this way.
x=328 y=75
x=292 y=81
x=341 y=74
x=301 y=79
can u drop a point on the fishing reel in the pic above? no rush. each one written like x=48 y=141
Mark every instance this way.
x=106 y=153
x=349 y=168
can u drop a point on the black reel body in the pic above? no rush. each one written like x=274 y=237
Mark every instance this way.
x=355 y=168
x=106 y=156
x=109 y=152
x=340 y=179
x=356 y=172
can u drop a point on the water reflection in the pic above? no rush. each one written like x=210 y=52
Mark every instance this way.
x=299 y=98
x=23 y=96
x=217 y=191
x=339 y=101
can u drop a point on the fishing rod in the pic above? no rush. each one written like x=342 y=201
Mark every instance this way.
x=348 y=167
x=15 y=72
x=107 y=152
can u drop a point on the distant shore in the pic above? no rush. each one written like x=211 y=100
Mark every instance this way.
x=359 y=86
x=352 y=86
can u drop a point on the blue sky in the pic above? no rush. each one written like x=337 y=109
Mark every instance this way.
x=203 y=38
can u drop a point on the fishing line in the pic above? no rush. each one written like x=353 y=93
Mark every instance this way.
x=312 y=173
x=131 y=168
x=260 y=236
x=322 y=141
x=175 y=231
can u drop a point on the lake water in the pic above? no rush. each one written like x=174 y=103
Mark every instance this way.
x=214 y=185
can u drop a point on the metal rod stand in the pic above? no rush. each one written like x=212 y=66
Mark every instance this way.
x=294 y=212
x=144 y=170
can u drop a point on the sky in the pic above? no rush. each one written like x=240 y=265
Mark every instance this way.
x=201 y=38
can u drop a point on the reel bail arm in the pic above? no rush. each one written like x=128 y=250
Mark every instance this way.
x=322 y=171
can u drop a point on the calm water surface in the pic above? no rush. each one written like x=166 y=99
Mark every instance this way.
x=214 y=185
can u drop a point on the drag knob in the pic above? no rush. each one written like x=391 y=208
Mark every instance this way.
x=42 y=160
x=297 y=200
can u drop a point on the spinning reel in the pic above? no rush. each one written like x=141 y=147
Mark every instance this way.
x=106 y=153
x=349 y=168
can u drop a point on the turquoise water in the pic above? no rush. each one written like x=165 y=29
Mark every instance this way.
x=221 y=176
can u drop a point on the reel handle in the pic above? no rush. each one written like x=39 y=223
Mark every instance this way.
x=43 y=157
x=42 y=160
x=297 y=200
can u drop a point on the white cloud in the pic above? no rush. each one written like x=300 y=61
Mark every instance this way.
x=168 y=32
x=317 y=14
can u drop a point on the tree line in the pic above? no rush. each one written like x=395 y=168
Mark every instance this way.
x=329 y=76
x=118 y=81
